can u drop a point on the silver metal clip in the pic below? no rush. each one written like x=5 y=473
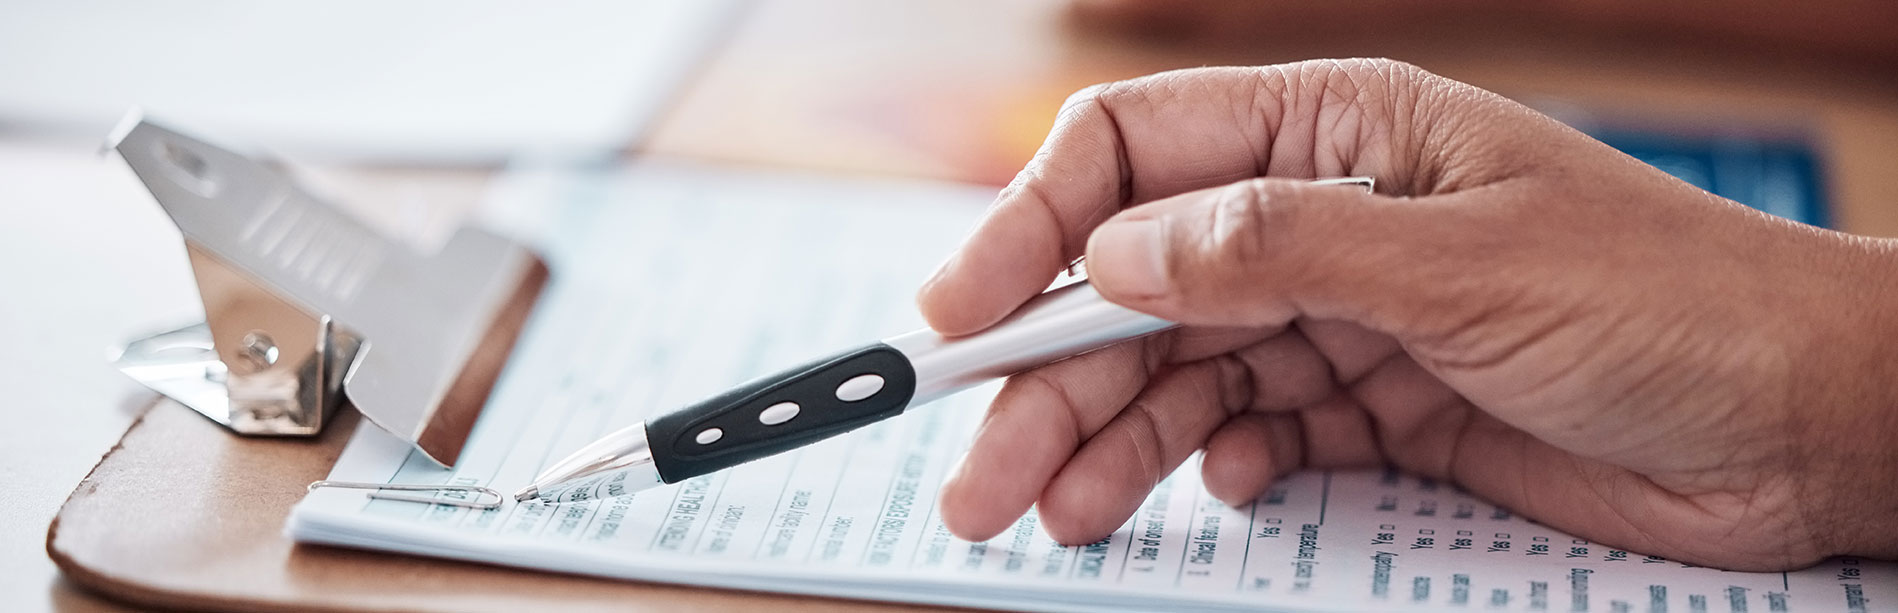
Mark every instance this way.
x=483 y=499
x=1368 y=183
x=305 y=305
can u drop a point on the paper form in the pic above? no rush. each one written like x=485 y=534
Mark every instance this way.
x=675 y=282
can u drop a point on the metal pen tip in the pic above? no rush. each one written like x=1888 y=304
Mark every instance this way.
x=526 y=493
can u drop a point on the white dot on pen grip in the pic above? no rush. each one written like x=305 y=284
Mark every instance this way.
x=860 y=387
x=777 y=413
x=709 y=436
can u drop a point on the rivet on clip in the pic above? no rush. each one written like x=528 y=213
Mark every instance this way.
x=483 y=499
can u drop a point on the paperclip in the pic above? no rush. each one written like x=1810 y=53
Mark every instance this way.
x=476 y=503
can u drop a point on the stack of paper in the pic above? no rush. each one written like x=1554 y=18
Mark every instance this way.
x=672 y=283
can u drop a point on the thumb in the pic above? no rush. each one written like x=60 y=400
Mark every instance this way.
x=1263 y=251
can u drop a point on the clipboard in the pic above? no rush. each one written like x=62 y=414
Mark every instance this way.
x=188 y=512
x=181 y=514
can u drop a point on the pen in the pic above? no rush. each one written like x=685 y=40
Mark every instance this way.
x=845 y=391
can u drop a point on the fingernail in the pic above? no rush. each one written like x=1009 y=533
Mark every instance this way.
x=941 y=269
x=1128 y=257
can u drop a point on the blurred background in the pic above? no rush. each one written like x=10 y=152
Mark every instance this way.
x=408 y=111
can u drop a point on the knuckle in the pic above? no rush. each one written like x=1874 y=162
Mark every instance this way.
x=1083 y=108
x=1266 y=233
x=1104 y=97
x=1143 y=430
x=1086 y=96
x=1392 y=113
x=1392 y=69
x=1236 y=387
x=1247 y=222
x=1378 y=69
x=1155 y=90
x=1076 y=430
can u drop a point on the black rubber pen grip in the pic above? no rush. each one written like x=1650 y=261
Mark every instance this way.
x=781 y=412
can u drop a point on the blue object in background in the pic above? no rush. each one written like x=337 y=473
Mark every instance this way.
x=1781 y=177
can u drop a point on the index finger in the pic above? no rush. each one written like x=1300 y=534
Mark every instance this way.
x=1130 y=142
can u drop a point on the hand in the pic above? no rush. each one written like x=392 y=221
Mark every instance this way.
x=1521 y=309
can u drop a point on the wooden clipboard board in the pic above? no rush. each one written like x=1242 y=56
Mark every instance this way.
x=181 y=514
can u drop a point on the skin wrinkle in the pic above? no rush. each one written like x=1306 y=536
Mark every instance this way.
x=1289 y=445
x=1306 y=291
x=1366 y=431
x=1329 y=105
x=1328 y=337
x=1238 y=230
x=1034 y=191
x=1330 y=370
x=1129 y=95
x=1071 y=409
x=1152 y=456
x=1272 y=225
x=1235 y=384
x=1267 y=81
x=1397 y=443
x=1458 y=409
x=1679 y=385
x=1377 y=112
x=1294 y=123
x=1737 y=454
x=1279 y=439
x=1398 y=132
x=1304 y=437
x=1523 y=492
x=1031 y=181
x=1660 y=381
x=1125 y=192
x=1448 y=131
x=1337 y=108
x=1350 y=392
x=1367 y=96
x=1459 y=468
x=1652 y=492
x=1305 y=353
x=1030 y=173
x=1243 y=115
x=1614 y=327
x=1750 y=507
x=1793 y=520
x=1464 y=427
x=1479 y=323
x=1424 y=123
x=1628 y=523
x=1157 y=351
x=1446 y=145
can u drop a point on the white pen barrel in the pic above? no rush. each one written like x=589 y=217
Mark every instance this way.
x=1063 y=322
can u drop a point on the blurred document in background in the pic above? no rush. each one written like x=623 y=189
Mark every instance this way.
x=433 y=81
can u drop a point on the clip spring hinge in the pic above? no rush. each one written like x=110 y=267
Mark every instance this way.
x=305 y=305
